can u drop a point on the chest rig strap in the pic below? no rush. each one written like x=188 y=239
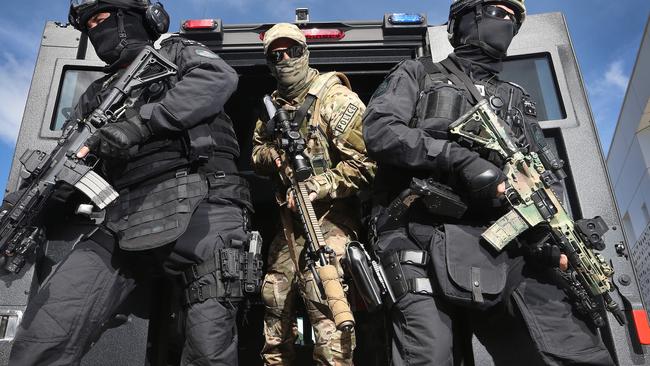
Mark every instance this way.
x=452 y=68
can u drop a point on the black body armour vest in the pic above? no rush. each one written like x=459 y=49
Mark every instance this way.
x=207 y=147
x=442 y=100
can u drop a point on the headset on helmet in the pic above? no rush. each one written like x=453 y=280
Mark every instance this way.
x=155 y=15
x=460 y=7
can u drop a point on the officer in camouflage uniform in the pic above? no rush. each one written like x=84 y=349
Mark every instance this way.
x=181 y=206
x=445 y=278
x=337 y=154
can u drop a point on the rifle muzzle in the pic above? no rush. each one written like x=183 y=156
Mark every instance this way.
x=336 y=299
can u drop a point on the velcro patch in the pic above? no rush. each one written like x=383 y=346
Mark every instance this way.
x=345 y=120
x=206 y=53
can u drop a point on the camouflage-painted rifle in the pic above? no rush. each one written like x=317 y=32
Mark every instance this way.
x=20 y=222
x=534 y=203
x=318 y=253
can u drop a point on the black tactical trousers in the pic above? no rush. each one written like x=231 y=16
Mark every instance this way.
x=534 y=326
x=79 y=298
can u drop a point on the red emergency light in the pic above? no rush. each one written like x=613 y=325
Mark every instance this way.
x=641 y=324
x=316 y=33
x=196 y=24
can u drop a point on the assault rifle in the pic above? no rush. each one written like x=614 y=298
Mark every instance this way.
x=318 y=254
x=21 y=228
x=528 y=190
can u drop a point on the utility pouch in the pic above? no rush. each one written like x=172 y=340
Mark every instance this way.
x=152 y=215
x=229 y=263
x=467 y=273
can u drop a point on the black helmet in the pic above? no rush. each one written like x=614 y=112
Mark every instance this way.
x=156 y=18
x=460 y=7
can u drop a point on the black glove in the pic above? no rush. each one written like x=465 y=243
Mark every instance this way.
x=477 y=176
x=539 y=249
x=115 y=139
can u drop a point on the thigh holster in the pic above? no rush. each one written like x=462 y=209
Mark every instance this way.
x=238 y=273
x=399 y=281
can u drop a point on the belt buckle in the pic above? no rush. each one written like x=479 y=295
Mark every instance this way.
x=219 y=175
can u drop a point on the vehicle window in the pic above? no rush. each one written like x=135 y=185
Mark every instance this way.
x=540 y=84
x=74 y=84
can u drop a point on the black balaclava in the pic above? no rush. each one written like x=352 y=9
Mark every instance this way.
x=119 y=51
x=483 y=43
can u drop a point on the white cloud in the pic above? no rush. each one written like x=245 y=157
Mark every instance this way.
x=614 y=75
x=606 y=91
x=15 y=78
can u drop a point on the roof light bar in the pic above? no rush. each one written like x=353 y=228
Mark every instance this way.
x=316 y=33
x=405 y=19
x=199 y=24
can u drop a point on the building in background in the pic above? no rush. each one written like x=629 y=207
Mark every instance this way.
x=628 y=161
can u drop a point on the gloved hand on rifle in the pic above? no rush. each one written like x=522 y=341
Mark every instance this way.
x=290 y=199
x=479 y=178
x=114 y=140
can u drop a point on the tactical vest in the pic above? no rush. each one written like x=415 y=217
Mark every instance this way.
x=166 y=178
x=318 y=144
x=443 y=100
x=208 y=147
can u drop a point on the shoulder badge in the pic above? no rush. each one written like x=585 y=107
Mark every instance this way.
x=346 y=118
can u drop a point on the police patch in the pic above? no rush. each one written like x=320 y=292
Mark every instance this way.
x=206 y=53
x=345 y=120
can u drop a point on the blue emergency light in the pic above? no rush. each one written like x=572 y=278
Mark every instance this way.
x=405 y=19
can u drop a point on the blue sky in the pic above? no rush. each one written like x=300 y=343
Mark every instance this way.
x=606 y=36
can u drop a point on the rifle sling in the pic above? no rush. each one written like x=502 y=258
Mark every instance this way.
x=300 y=115
x=451 y=66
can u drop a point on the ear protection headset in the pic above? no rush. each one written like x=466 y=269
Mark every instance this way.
x=156 y=17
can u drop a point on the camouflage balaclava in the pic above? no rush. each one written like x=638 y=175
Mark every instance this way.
x=293 y=75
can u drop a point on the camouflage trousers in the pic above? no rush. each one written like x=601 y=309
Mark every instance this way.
x=280 y=291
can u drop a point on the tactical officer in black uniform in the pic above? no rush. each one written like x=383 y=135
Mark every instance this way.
x=182 y=207
x=444 y=277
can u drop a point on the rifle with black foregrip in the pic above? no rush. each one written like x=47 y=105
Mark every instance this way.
x=21 y=228
x=534 y=204
x=318 y=254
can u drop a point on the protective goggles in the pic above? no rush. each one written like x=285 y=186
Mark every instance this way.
x=498 y=12
x=278 y=55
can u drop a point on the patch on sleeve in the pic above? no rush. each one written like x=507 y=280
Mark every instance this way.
x=206 y=53
x=381 y=89
x=345 y=120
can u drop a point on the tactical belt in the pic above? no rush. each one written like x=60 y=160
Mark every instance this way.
x=398 y=281
x=229 y=186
